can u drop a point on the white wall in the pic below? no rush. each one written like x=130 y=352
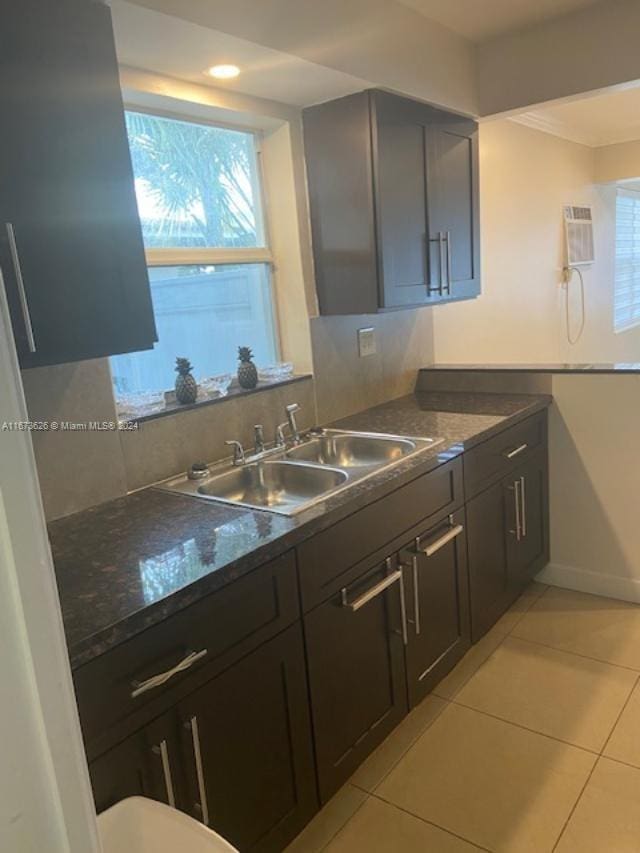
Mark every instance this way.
x=526 y=177
x=45 y=797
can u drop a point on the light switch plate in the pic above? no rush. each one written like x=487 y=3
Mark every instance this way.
x=367 y=341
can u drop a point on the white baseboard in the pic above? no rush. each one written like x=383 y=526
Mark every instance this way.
x=582 y=580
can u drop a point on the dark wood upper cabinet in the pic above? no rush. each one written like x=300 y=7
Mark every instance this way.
x=452 y=173
x=71 y=248
x=393 y=192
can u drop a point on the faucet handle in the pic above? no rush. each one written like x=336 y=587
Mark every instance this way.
x=258 y=432
x=238 y=452
x=280 y=437
x=292 y=408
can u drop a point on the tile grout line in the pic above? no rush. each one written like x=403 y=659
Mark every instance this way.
x=431 y=823
x=620 y=761
x=504 y=636
x=476 y=670
x=447 y=702
x=575 y=805
x=526 y=728
x=534 y=601
x=613 y=728
x=342 y=825
x=577 y=654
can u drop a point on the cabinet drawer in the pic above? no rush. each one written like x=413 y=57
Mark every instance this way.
x=325 y=560
x=115 y=687
x=494 y=458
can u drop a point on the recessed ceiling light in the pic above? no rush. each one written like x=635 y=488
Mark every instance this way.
x=223 y=72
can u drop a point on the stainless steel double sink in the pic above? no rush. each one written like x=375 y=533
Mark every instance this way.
x=294 y=478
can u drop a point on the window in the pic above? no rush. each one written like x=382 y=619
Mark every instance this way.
x=199 y=199
x=626 y=313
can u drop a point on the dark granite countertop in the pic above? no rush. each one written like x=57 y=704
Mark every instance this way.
x=601 y=367
x=128 y=564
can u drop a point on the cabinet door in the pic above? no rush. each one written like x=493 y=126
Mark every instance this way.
x=247 y=748
x=400 y=180
x=531 y=549
x=453 y=210
x=147 y=764
x=70 y=241
x=437 y=604
x=357 y=677
x=489 y=549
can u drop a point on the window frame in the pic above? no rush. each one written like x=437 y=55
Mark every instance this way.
x=633 y=323
x=199 y=256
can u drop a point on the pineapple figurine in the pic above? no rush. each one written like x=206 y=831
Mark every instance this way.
x=186 y=388
x=247 y=373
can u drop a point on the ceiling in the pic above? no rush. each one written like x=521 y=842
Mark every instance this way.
x=597 y=120
x=483 y=19
x=164 y=44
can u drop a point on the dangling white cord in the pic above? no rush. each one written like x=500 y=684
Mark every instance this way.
x=568 y=273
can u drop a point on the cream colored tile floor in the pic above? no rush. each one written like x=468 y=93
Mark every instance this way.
x=532 y=744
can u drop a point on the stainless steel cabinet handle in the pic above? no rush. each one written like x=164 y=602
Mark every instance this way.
x=523 y=504
x=376 y=590
x=516 y=496
x=439 y=543
x=22 y=293
x=156 y=680
x=448 y=239
x=197 y=754
x=438 y=287
x=416 y=591
x=163 y=751
x=516 y=452
x=441 y=239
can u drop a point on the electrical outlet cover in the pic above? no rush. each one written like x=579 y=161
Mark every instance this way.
x=367 y=341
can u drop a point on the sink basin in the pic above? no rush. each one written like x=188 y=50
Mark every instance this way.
x=280 y=486
x=289 y=480
x=352 y=451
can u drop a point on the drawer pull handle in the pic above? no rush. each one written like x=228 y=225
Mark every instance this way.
x=516 y=452
x=416 y=591
x=163 y=751
x=515 y=488
x=197 y=754
x=378 y=589
x=434 y=547
x=140 y=687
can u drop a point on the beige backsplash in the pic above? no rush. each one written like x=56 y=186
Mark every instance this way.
x=346 y=383
x=81 y=469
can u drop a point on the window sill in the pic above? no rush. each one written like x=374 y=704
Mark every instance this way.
x=233 y=393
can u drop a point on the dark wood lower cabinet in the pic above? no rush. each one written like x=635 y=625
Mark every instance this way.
x=508 y=536
x=237 y=753
x=143 y=765
x=488 y=527
x=532 y=547
x=435 y=568
x=357 y=681
x=249 y=731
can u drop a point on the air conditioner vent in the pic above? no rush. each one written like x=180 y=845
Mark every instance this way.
x=578 y=222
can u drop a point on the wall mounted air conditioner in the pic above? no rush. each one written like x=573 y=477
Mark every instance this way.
x=578 y=229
